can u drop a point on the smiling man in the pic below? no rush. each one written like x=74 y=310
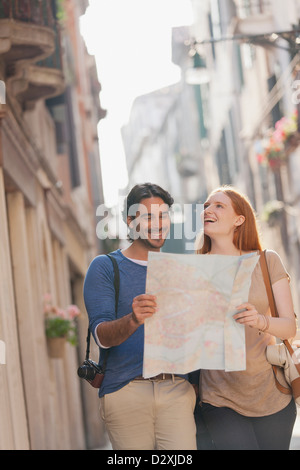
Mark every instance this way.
x=149 y=225
x=140 y=414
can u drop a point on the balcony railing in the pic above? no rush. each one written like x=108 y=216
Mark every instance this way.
x=39 y=12
x=31 y=49
x=54 y=60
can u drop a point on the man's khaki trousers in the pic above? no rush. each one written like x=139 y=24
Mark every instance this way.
x=151 y=415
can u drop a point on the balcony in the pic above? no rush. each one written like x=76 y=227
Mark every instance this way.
x=26 y=30
x=30 y=49
x=37 y=83
x=254 y=17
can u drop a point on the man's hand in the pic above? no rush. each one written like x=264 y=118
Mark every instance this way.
x=143 y=306
x=113 y=333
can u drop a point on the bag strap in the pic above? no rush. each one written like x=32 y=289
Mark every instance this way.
x=117 y=288
x=265 y=271
x=271 y=298
x=116 y=280
x=270 y=293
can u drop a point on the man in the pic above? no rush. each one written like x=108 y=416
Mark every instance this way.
x=140 y=414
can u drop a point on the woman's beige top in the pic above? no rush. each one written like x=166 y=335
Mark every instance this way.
x=252 y=392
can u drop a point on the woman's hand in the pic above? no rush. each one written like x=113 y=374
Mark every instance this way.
x=248 y=315
x=283 y=327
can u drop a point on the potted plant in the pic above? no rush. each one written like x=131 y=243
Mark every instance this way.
x=60 y=326
x=280 y=142
x=271 y=212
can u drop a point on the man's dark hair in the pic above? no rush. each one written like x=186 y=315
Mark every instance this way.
x=144 y=191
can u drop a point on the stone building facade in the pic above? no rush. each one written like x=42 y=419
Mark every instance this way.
x=50 y=185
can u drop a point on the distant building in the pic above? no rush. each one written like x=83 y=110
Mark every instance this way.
x=249 y=91
x=210 y=128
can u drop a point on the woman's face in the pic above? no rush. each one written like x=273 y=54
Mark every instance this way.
x=219 y=217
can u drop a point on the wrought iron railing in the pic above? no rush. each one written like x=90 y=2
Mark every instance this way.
x=55 y=60
x=39 y=12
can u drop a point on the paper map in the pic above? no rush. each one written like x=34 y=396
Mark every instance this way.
x=197 y=297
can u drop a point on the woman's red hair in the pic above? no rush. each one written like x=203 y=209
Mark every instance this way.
x=246 y=236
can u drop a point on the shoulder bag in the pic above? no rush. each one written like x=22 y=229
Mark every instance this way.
x=282 y=354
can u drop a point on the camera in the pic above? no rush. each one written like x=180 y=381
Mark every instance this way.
x=91 y=372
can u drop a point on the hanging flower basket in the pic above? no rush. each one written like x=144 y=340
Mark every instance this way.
x=56 y=347
x=60 y=326
x=292 y=142
x=279 y=143
x=272 y=212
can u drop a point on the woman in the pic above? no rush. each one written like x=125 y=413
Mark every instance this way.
x=245 y=410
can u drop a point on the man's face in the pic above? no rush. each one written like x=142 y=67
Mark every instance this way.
x=151 y=222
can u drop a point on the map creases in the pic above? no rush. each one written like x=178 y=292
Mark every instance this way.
x=197 y=297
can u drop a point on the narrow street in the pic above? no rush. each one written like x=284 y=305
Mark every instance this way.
x=100 y=99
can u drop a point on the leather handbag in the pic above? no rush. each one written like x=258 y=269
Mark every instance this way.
x=282 y=354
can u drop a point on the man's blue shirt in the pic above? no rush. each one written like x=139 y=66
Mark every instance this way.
x=125 y=362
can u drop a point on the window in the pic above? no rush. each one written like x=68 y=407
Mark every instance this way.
x=247 y=8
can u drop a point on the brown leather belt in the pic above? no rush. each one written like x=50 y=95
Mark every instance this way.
x=157 y=377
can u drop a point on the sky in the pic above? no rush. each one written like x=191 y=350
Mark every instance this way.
x=131 y=42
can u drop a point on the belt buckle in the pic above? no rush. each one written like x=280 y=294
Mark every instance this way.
x=158 y=377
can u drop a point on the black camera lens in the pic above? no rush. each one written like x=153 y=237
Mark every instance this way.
x=86 y=372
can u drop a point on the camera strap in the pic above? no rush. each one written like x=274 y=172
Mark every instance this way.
x=117 y=287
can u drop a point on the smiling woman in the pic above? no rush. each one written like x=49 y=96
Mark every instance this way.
x=234 y=215
x=244 y=410
x=220 y=217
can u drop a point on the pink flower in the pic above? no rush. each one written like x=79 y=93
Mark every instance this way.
x=61 y=313
x=69 y=313
x=260 y=158
x=73 y=311
x=47 y=297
